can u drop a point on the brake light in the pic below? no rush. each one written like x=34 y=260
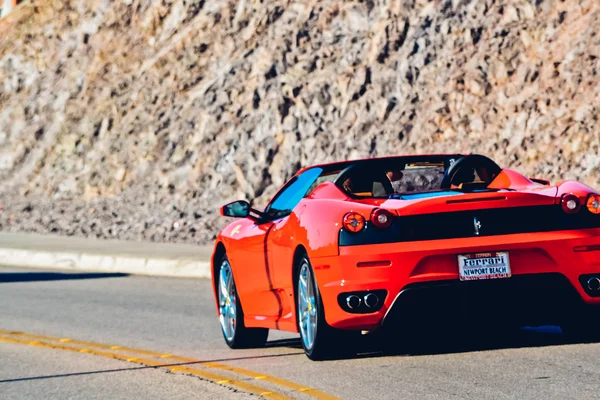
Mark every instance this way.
x=570 y=203
x=381 y=218
x=353 y=222
x=593 y=203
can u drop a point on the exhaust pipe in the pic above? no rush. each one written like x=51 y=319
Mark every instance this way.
x=353 y=301
x=593 y=284
x=371 y=300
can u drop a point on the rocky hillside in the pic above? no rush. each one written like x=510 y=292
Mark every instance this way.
x=138 y=118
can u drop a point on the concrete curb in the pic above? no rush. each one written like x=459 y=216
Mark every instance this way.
x=105 y=263
x=167 y=264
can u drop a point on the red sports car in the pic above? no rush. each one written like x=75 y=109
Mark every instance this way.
x=395 y=242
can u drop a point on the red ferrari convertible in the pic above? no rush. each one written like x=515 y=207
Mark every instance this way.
x=398 y=242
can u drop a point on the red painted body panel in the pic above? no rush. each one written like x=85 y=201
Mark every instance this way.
x=262 y=255
x=437 y=260
x=250 y=271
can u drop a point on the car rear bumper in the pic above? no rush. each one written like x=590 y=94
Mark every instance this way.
x=549 y=271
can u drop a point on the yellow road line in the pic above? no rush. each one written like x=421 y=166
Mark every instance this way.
x=213 y=365
x=273 y=379
x=248 y=387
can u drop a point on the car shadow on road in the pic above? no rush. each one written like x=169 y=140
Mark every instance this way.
x=289 y=343
x=374 y=346
x=527 y=337
x=12 y=277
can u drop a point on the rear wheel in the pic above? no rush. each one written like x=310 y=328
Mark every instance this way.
x=231 y=315
x=319 y=340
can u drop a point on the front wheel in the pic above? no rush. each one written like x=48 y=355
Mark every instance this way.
x=231 y=315
x=319 y=340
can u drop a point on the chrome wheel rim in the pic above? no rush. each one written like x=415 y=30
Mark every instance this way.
x=227 y=303
x=307 y=310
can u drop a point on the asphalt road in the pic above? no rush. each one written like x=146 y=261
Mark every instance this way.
x=33 y=373
x=174 y=316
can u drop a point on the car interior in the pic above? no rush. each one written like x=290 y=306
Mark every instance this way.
x=383 y=179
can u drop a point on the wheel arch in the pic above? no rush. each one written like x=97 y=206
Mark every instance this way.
x=219 y=252
x=298 y=253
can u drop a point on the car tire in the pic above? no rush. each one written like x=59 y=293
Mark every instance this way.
x=324 y=342
x=235 y=333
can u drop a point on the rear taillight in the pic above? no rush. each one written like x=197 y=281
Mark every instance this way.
x=570 y=203
x=381 y=218
x=593 y=203
x=353 y=222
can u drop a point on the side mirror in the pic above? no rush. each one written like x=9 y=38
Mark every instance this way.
x=237 y=209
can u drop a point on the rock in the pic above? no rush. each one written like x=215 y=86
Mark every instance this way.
x=181 y=108
x=120 y=174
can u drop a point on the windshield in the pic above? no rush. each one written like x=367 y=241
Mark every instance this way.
x=291 y=194
x=416 y=179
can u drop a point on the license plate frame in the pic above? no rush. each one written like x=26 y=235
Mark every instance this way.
x=493 y=265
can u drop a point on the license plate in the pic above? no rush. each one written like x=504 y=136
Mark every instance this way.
x=483 y=266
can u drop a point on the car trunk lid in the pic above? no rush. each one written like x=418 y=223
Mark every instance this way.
x=454 y=201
